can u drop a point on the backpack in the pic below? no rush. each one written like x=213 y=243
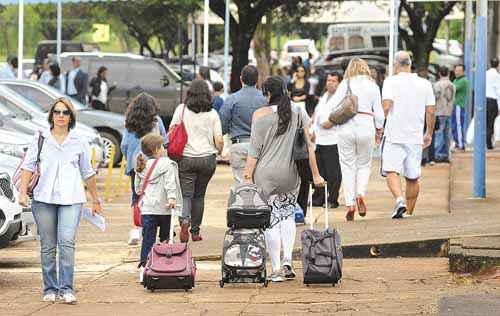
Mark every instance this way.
x=247 y=207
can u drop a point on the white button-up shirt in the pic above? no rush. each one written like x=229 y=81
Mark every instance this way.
x=62 y=168
x=493 y=84
x=324 y=136
x=71 y=82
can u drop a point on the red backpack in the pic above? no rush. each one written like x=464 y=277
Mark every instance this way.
x=177 y=139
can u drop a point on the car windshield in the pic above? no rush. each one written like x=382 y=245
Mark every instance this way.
x=8 y=109
x=298 y=49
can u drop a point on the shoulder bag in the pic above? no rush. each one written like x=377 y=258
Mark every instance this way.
x=177 y=139
x=347 y=109
x=136 y=206
x=35 y=176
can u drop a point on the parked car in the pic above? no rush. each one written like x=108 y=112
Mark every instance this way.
x=27 y=117
x=109 y=125
x=299 y=47
x=335 y=61
x=46 y=48
x=189 y=73
x=132 y=74
x=10 y=210
x=13 y=144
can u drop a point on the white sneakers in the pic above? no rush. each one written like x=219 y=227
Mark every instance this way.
x=67 y=298
x=276 y=277
x=289 y=272
x=49 y=298
x=399 y=209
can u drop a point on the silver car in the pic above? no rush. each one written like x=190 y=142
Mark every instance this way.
x=110 y=125
x=25 y=118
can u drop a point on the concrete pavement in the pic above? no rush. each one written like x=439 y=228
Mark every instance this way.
x=106 y=281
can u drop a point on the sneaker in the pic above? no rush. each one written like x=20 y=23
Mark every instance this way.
x=68 y=298
x=289 y=272
x=276 y=277
x=49 y=298
x=399 y=210
x=141 y=275
x=184 y=234
x=432 y=163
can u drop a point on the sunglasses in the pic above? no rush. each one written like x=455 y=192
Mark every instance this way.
x=63 y=112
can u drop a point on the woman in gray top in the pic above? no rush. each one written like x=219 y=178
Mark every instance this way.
x=271 y=166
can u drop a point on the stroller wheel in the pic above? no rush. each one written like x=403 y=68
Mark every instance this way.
x=266 y=283
x=221 y=283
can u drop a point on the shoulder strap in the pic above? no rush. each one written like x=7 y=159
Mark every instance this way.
x=148 y=175
x=182 y=114
x=40 y=145
x=349 y=91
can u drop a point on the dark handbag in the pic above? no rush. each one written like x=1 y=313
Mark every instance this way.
x=136 y=206
x=300 y=150
x=347 y=109
x=247 y=207
x=35 y=176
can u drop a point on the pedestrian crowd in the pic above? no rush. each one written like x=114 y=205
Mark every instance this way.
x=399 y=112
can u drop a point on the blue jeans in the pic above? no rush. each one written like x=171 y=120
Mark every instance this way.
x=57 y=226
x=442 y=138
x=150 y=224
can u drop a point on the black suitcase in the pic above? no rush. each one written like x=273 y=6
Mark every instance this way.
x=244 y=257
x=321 y=251
x=247 y=207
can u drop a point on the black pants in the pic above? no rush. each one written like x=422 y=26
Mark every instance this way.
x=327 y=158
x=305 y=179
x=194 y=175
x=491 y=115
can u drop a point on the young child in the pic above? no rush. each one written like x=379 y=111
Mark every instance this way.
x=162 y=194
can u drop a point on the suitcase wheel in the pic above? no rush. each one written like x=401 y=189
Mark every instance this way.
x=221 y=283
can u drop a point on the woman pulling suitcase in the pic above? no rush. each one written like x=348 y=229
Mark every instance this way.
x=274 y=131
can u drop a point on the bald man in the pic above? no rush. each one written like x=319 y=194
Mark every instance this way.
x=408 y=102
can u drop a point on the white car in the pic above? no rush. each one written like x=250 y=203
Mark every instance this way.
x=10 y=210
x=300 y=47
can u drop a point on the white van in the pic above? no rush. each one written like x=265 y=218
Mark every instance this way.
x=299 y=47
x=355 y=36
x=10 y=210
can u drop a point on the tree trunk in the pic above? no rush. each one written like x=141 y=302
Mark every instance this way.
x=261 y=48
x=241 y=45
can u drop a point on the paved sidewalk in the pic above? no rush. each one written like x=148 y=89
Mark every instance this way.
x=106 y=282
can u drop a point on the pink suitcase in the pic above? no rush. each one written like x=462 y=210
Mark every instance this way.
x=170 y=266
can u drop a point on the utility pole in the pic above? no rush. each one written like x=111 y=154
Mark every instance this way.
x=480 y=99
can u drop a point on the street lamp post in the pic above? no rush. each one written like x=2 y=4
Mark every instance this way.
x=480 y=100
x=20 y=39
x=205 y=33
x=226 y=49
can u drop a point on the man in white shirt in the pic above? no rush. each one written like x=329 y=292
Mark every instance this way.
x=492 y=96
x=408 y=102
x=327 y=154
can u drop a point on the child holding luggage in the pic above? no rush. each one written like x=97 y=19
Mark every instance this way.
x=160 y=195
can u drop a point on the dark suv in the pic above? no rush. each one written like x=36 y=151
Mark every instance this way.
x=45 y=48
x=132 y=74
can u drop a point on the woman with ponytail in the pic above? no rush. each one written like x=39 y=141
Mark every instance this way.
x=271 y=165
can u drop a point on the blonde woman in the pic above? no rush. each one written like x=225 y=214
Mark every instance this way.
x=358 y=135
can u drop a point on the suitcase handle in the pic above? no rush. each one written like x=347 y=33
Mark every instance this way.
x=310 y=212
x=255 y=214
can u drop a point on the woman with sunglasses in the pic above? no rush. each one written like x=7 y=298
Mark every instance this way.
x=59 y=196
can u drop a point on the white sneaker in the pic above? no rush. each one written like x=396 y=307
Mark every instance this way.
x=399 y=210
x=134 y=237
x=141 y=275
x=50 y=298
x=68 y=298
x=289 y=272
x=276 y=277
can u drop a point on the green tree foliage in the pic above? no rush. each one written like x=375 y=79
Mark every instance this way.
x=424 y=21
x=9 y=26
x=154 y=20
x=244 y=25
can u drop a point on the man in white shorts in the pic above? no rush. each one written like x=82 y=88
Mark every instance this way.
x=408 y=102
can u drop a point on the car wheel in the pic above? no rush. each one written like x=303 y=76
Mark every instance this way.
x=109 y=140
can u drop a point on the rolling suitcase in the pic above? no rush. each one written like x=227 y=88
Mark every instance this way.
x=321 y=251
x=170 y=265
x=244 y=257
x=247 y=207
